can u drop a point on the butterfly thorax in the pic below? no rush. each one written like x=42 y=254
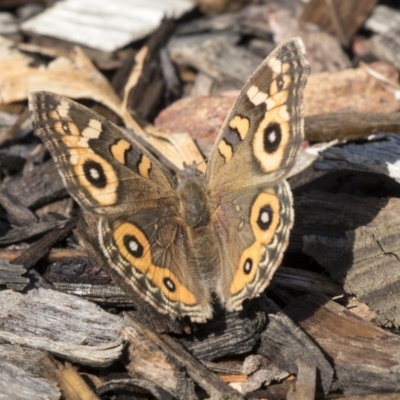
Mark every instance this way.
x=193 y=200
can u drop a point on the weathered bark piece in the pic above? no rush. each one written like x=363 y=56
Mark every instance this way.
x=150 y=362
x=324 y=52
x=349 y=126
x=42 y=247
x=67 y=379
x=251 y=20
x=380 y=156
x=307 y=281
x=79 y=270
x=284 y=344
x=386 y=46
x=203 y=377
x=305 y=383
x=106 y=27
x=61 y=207
x=8 y=25
x=179 y=356
x=382 y=396
x=261 y=371
x=107 y=295
x=48 y=320
x=17 y=235
x=353 y=90
x=202 y=86
x=225 y=367
x=17 y=213
x=143 y=98
x=331 y=215
x=217 y=56
x=219 y=6
x=383 y=19
x=37 y=187
x=22 y=357
x=18 y=384
x=173 y=86
x=10 y=276
x=367 y=262
x=340 y=18
x=56 y=254
x=234 y=333
x=201 y=116
x=136 y=387
x=13 y=157
x=365 y=357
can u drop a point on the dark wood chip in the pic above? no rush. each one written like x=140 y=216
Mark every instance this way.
x=284 y=343
x=365 y=356
x=38 y=187
x=10 y=276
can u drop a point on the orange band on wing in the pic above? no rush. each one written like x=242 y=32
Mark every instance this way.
x=264 y=221
x=136 y=249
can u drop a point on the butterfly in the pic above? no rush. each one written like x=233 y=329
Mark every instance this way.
x=181 y=242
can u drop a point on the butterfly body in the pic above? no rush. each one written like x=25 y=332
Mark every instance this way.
x=179 y=242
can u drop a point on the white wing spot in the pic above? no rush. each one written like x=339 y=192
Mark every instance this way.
x=264 y=217
x=133 y=246
x=94 y=173
x=256 y=96
x=93 y=130
x=272 y=136
x=275 y=64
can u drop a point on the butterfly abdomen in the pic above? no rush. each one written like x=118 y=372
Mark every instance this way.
x=193 y=199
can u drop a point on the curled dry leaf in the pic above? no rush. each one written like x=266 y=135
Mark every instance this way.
x=76 y=77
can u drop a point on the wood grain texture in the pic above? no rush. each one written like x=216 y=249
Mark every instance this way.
x=365 y=357
x=60 y=323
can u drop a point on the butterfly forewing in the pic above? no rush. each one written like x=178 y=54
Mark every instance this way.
x=102 y=167
x=264 y=129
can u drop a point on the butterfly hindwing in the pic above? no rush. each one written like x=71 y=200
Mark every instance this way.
x=152 y=252
x=258 y=221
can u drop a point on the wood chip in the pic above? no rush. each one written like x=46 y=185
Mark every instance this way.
x=10 y=276
x=62 y=324
x=342 y=19
x=351 y=90
x=16 y=383
x=380 y=156
x=366 y=261
x=108 y=26
x=284 y=344
x=383 y=19
x=365 y=356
